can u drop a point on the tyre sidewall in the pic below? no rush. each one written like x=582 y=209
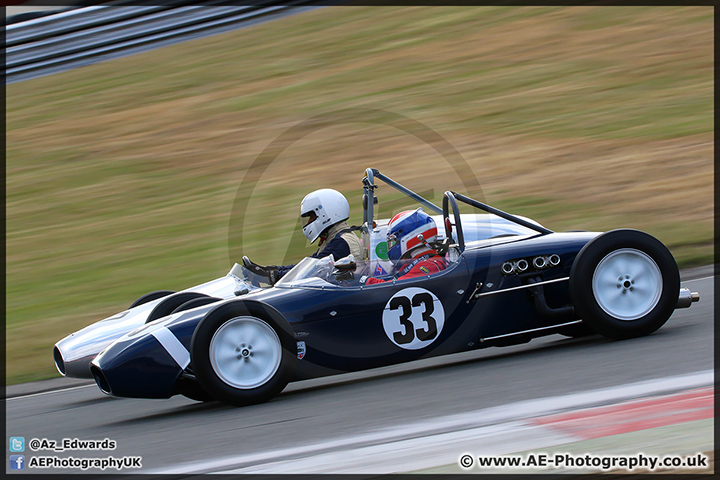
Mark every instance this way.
x=583 y=269
x=578 y=330
x=200 y=348
x=149 y=297
x=195 y=302
x=167 y=305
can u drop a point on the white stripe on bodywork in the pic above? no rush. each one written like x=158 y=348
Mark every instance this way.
x=173 y=346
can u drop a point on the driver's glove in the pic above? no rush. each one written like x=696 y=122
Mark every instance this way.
x=271 y=271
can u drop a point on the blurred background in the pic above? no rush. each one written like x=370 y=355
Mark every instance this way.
x=122 y=175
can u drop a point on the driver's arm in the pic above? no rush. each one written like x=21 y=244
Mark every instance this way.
x=373 y=280
x=273 y=272
x=337 y=247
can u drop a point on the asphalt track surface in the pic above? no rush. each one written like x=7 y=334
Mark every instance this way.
x=170 y=433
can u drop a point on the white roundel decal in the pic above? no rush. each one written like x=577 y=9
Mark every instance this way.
x=413 y=318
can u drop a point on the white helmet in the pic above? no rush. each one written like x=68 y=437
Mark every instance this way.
x=325 y=207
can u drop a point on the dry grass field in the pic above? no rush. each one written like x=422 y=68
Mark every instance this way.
x=121 y=176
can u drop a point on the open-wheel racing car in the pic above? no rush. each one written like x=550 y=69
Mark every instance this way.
x=508 y=279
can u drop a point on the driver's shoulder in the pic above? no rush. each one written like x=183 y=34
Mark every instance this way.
x=353 y=242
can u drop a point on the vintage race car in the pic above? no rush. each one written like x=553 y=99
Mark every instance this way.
x=508 y=279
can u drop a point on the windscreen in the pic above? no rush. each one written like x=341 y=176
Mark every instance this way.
x=309 y=268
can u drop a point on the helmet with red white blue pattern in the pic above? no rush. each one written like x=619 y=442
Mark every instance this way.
x=408 y=231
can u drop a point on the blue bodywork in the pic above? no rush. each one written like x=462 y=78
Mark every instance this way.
x=342 y=326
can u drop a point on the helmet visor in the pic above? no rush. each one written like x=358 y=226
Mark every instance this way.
x=391 y=240
x=312 y=216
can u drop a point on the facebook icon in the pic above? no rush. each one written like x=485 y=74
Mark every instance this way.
x=17 y=462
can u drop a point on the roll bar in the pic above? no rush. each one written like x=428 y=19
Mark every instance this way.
x=500 y=213
x=369 y=199
x=450 y=199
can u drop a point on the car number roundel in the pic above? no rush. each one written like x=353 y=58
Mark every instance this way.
x=413 y=318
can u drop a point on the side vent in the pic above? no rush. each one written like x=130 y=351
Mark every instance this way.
x=522 y=265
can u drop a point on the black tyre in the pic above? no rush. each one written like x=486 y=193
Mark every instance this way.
x=191 y=389
x=149 y=297
x=198 y=395
x=243 y=353
x=577 y=330
x=624 y=284
x=196 y=302
x=166 y=306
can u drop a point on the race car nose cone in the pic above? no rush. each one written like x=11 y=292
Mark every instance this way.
x=72 y=359
x=121 y=371
x=74 y=353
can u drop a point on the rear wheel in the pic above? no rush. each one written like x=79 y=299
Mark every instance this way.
x=196 y=302
x=149 y=297
x=624 y=283
x=577 y=330
x=169 y=304
x=243 y=353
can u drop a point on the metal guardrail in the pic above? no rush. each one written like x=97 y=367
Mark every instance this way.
x=89 y=35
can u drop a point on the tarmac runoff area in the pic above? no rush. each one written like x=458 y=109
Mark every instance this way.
x=679 y=424
x=658 y=424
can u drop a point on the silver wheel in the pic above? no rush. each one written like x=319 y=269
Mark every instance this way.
x=245 y=352
x=627 y=284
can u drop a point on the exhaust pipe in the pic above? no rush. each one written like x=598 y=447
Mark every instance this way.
x=687 y=298
x=508 y=268
x=545 y=261
x=539 y=262
x=518 y=266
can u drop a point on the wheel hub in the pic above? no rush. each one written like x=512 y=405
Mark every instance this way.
x=245 y=352
x=627 y=284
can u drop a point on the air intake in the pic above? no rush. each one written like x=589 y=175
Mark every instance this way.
x=100 y=380
x=59 y=362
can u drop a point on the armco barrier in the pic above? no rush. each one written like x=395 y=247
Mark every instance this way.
x=89 y=35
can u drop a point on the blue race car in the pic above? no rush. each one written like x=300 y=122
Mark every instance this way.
x=508 y=279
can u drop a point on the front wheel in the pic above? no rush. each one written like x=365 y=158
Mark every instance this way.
x=624 y=284
x=243 y=353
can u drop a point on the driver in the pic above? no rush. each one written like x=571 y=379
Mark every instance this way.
x=408 y=246
x=327 y=211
